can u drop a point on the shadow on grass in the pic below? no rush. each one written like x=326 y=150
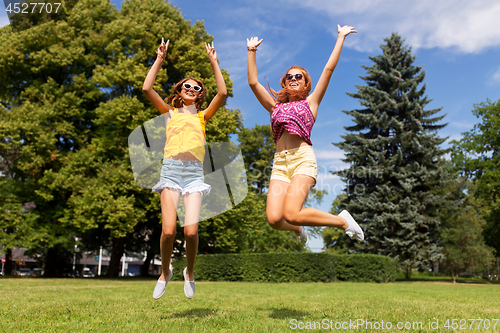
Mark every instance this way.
x=286 y=313
x=192 y=313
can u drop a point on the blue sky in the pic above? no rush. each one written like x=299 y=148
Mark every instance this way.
x=457 y=42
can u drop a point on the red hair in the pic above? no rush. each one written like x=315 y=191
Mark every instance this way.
x=283 y=96
x=176 y=100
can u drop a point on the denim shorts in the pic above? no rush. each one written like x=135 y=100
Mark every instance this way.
x=296 y=161
x=183 y=176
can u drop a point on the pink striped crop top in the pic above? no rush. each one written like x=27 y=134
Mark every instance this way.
x=294 y=117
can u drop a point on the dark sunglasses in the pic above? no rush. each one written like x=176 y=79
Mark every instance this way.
x=297 y=77
x=188 y=86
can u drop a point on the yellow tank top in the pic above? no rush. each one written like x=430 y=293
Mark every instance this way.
x=185 y=133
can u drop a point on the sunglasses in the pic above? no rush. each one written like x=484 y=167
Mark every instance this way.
x=188 y=86
x=298 y=77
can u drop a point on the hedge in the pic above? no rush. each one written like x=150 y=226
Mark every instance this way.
x=290 y=267
x=365 y=268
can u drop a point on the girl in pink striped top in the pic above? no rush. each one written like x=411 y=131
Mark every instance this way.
x=293 y=112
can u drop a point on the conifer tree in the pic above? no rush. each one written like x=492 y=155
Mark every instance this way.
x=396 y=166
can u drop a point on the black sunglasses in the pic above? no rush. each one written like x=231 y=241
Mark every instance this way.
x=297 y=77
x=188 y=86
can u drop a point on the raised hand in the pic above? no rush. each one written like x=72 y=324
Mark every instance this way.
x=162 y=49
x=345 y=30
x=253 y=42
x=212 y=55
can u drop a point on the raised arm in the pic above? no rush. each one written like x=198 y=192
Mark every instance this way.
x=253 y=78
x=147 y=87
x=319 y=91
x=221 y=95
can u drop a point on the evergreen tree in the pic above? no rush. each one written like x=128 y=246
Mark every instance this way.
x=395 y=161
x=332 y=237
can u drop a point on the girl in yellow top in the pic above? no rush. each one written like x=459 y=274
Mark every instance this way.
x=182 y=171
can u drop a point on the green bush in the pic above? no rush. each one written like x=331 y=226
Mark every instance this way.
x=290 y=267
x=365 y=268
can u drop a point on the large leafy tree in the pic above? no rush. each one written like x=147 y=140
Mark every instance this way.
x=258 y=150
x=46 y=89
x=395 y=161
x=463 y=242
x=477 y=156
x=252 y=232
x=70 y=104
x=72 y=93
x=34 y=13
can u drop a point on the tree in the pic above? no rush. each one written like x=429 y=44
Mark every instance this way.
x=30 y=16
x=395 y=161
x=464 y=245
x=332 y=237
x=71 y=100
x=49 y=99
x=258 y=149
x=477 y=156
x=249 y=230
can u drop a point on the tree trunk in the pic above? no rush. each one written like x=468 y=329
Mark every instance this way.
x=117 y=250
x=453 y=276
x=8 y=262
x=498 y=270
x=147 y=262
x=408 y=272
x=50 y=263
x=435 y=268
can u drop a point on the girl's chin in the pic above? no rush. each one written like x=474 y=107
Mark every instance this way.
x=189 y=100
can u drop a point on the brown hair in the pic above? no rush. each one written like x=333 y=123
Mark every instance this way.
x=176 y=100
x=283 y=96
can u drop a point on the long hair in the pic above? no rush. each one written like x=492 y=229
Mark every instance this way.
x=283 y=96
x=176 y=100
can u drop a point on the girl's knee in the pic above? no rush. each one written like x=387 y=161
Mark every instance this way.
x=168 y=235
x=274 y=220
x=291 y=217
x=190 y=234
x=274 y=224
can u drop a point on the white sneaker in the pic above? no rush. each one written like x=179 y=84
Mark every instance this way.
x=302 y=237
x=161 y=286
x=188 y=285
x=353 y=229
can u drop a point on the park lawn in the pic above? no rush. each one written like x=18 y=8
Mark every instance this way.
x=127 y=305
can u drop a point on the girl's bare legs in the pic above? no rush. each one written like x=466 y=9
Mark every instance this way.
x=169 y=200
x=192 y=202
x=293 y=212
x=274 y=207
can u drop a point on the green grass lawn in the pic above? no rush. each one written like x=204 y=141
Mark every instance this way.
x=127 y=305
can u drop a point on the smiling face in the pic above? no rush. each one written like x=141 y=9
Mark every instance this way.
x=293 y=82
x=189 y=96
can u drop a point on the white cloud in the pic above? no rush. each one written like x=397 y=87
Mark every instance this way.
x=323 y=154
x=461 y=125
x=456 y=137
x=469 y=26
x=329 y=160
x=496 y=76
